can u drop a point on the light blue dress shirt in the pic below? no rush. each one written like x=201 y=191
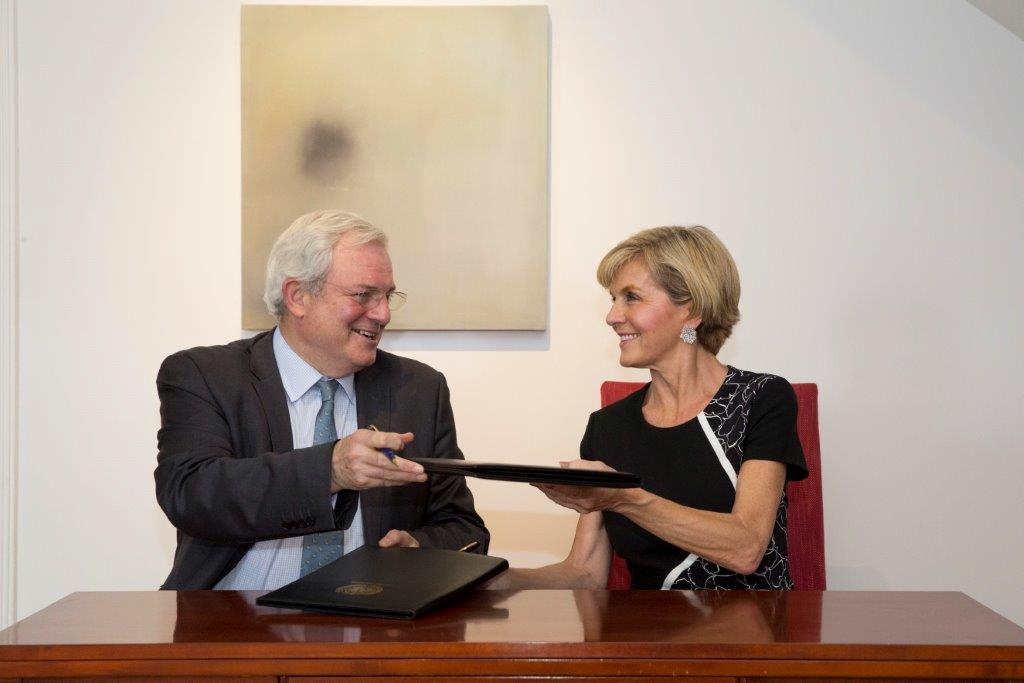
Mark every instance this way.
x=271 y=564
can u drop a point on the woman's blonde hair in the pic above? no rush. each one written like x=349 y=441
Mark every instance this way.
x=693 y=266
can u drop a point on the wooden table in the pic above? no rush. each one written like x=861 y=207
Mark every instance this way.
x=495 y=636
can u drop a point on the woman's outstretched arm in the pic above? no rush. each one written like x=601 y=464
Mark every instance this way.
x=586 y=566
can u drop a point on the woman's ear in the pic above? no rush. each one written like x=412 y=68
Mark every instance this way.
x=687 y=320
x=688 y=326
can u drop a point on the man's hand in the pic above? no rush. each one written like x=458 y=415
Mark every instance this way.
x=358 y=462
x=396 y=538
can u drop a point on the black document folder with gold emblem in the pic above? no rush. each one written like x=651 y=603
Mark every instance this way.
x=396 y=583
x=534 y=474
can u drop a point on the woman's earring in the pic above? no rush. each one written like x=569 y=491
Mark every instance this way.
x=688 y=335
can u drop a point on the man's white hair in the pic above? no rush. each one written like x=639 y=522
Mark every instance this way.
x=304 y=251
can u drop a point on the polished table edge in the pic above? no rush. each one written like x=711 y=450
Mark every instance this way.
x=534 y=667
x=575 y=650
x=518 y=650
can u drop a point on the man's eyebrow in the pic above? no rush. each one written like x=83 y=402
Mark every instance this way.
x=373 y=288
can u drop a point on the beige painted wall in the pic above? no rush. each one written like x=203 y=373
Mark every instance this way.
x=866 y=176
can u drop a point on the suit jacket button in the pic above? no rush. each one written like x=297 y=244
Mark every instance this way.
x=309 y=521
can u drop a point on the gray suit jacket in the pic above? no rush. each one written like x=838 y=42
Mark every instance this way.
x=228 y=476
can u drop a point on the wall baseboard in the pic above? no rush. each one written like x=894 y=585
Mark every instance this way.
x=8 y=312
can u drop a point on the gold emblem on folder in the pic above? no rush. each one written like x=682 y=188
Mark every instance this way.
x=360 y=588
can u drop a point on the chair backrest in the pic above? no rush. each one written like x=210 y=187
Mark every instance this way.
x=805 y=519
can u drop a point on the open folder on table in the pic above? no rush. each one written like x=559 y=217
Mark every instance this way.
x=529 y=473
x=396 y=583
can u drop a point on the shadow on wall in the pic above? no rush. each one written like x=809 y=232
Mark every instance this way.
x=167 y=537
x=398 y=341
x=401 y=341
x=530 y=538
x=860 y=577
x=925 y=69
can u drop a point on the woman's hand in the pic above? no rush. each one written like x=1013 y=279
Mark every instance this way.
x=585 y=498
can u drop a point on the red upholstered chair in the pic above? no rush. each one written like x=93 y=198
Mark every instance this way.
x=805 y=521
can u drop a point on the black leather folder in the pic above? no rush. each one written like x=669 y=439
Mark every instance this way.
x=395 y=583
x=529 y=473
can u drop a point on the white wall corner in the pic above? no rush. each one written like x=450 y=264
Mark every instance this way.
x=8 y=311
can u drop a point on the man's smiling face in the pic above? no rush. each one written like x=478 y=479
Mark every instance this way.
x=339 y=331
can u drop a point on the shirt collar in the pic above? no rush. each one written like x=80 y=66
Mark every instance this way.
x=298 y=376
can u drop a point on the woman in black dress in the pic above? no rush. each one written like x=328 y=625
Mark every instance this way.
x=713 y=444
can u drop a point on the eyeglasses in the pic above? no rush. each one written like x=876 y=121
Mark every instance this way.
x=371 y=298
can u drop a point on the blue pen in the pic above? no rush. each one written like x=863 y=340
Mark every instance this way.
x=388 y=453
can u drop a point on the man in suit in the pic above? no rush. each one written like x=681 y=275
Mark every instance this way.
x=268 y=465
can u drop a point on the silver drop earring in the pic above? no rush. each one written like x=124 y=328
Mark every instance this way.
x=688 y=335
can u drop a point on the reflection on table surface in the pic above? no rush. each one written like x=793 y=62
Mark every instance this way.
x=536 y=616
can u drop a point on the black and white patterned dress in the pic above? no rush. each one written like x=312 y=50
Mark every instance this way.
x=752 y=416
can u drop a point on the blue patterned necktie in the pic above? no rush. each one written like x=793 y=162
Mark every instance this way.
x=320 y=549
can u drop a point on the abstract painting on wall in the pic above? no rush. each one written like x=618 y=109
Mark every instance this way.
x=432 y=123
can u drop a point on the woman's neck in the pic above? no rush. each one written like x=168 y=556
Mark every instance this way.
x=680 y=389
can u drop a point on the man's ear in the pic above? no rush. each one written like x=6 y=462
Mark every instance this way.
x=296 y=299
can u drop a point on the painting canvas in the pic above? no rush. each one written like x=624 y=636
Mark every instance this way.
x=432 y=123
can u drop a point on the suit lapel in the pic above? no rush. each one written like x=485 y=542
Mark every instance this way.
x=270 y=391
x=373 y=407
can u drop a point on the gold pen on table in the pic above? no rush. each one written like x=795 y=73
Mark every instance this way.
x=469 y=547
x=388 y=453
